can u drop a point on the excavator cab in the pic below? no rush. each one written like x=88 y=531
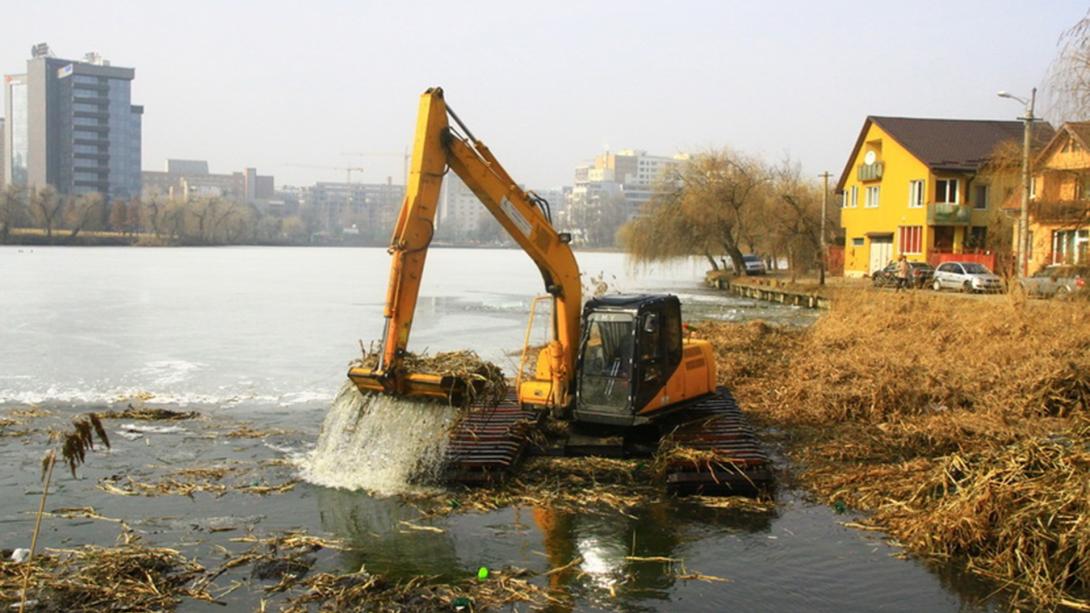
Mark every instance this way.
x=630 y=350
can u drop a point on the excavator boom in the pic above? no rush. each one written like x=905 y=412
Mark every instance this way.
x=437 y=147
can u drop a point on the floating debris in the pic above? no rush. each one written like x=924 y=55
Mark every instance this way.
x=366 y=592
x=149 y=414
x=128 y=577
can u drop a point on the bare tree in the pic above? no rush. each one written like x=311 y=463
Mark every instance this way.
x=794 y=216
x=12 y=209
x=707 y=206
x=119 y=216
x=84 y=212
x=1067 y=92
x=47 y=208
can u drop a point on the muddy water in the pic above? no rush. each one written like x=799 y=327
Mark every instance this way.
x=260 y=337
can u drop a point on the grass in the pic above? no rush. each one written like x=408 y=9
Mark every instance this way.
x=962 y=426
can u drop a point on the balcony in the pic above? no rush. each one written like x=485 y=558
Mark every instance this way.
x=945 y=214
x=1074 y=212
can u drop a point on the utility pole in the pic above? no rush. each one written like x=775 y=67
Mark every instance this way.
x=824 y=208
x=1027 y=140
x=1027 y=143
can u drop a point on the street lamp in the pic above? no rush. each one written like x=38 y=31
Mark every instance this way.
x=1027 y=137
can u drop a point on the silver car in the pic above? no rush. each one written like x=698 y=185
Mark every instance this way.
x=1057 y=280
x=967 y=277
x=754 y=265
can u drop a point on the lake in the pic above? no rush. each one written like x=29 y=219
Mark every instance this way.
x=260 y=337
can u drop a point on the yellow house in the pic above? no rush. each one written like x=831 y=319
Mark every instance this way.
x=911 y=187
x=1059 y=210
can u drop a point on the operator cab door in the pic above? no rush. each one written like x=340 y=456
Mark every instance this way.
x=658 y=348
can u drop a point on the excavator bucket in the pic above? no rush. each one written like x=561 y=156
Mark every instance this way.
x=444 y=388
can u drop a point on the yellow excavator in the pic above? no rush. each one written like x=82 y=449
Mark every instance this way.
x=618 y=360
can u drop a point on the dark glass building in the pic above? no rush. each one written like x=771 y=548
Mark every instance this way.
x=73 y=126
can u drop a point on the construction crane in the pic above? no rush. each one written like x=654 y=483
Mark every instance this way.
x=404 y=155
x=347 y=169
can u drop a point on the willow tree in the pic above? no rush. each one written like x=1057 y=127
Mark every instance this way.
x=1067 y=95
x=707 y=205
x=792 y=218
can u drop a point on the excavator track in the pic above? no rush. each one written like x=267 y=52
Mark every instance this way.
x=714 y=427
x=488 y=442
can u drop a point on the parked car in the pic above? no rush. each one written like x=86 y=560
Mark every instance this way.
x=1056 y=280
x=965 y=276
x=754 y=265
x=920 y=275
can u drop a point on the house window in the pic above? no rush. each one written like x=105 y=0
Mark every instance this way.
x=980 y=197
x=915 y=194
x=857 y=242
x=1070 y=246
x=946 y=191
x=872 y=197
x=911 y=239
x=1033 y=188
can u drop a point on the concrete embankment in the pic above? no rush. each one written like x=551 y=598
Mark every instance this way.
x=768 y=290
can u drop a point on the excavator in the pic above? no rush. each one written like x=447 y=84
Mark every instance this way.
x=618 y=363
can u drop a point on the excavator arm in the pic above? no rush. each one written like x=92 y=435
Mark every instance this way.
x=437 y=147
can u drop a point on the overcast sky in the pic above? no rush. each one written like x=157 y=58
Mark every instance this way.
x=546 y=85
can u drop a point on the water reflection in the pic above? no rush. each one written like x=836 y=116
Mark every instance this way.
x=632 y=557
x=374 y=530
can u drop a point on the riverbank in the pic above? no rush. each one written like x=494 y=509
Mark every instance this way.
x=963 y=431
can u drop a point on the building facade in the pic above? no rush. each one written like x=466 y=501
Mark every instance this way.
x=367 y=209
x=628 y=174
x=73 y=127
x=184 y=180
x=1059 y=210
x=913 y=187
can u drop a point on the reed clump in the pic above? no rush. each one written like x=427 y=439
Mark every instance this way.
x=366 y=592
x=128 y=577
x=961 y=424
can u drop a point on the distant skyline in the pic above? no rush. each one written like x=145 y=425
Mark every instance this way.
x=280 y=86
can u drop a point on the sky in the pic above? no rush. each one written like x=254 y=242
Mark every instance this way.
x=293 y=88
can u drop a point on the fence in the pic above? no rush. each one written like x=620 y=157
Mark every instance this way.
x=987 y=258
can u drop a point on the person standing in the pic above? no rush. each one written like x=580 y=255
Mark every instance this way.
x=903 y=273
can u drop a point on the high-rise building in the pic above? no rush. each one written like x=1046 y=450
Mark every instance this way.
x=2 y=181
x=15 y=130
x=73 y=126
x=460 y=211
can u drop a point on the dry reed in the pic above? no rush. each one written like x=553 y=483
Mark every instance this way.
x=960 y=423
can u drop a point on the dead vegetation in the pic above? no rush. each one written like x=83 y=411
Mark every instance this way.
x=149 y=414
x=215 y=480
x=484 y=380
x=366 y=592
x=602 y=485
x=136 y=577
x=963 y=427
x=128 y=577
